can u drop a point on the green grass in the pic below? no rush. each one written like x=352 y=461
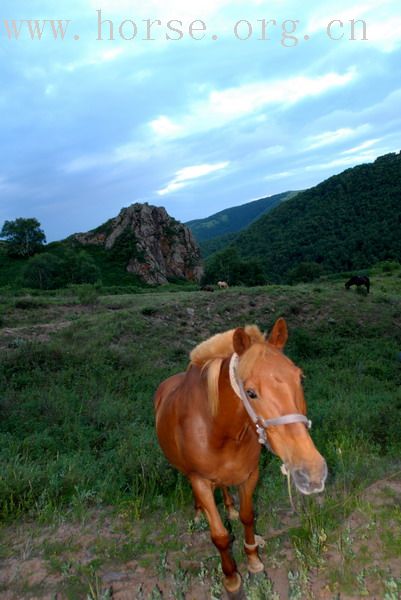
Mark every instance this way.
x=77 y=413
x=77 y=428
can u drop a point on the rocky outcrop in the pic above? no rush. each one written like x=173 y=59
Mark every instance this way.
x=154 y=245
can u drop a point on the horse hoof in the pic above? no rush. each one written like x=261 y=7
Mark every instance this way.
x=233 y=588
x=238 y=595
x=255 y=567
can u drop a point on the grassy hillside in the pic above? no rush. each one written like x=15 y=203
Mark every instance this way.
x=346 y=223
x=234 y=219
x=87 y=500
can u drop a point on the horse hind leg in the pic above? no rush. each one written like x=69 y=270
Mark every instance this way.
x=203 y=492
x=232 y=512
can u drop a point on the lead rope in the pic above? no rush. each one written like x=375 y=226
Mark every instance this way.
x=287 y=474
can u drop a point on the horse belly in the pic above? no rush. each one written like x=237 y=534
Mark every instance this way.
x=187 y=446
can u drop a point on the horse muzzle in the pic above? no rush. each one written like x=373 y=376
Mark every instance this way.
x=308 y=481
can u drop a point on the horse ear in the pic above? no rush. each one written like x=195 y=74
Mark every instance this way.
x=279 y=334
x=241 y=341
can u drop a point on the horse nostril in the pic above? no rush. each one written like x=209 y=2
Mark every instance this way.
x=308 y=485
x=301 y=478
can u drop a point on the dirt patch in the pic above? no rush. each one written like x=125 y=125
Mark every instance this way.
x=12 y=337
x=161 y=558
x=365 y=556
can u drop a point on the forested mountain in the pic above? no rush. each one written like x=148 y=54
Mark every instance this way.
x=348 y=222
x=216 y=244
x=234 y=219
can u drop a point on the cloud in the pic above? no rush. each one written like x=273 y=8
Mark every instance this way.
x=385 y=34
x=185 y=176
x=346 y=161
x=174 y=9
x=50 y=89
x=92 y=59
x=333 y=137
x=327 y=138
x=85 y=163
x=277 y=176
x=136 y=152
x=363 y=146
x=165 y=127
x=117 y=120
x=222 y=107
x=382 y=31
x=349 y=158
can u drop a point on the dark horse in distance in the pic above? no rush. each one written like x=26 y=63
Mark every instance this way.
x=358 y=280
x=239 y=391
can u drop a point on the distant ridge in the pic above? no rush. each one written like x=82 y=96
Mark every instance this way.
x=232 y=220
x=348 y=222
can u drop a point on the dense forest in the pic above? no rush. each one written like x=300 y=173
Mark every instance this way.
x=347 y=223
x=236 y=218
x=216 y=244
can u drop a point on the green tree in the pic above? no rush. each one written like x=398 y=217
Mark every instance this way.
x=227 y=265
x=80 y=267
x=44 y=271
x=304 y=272
x=24 y=237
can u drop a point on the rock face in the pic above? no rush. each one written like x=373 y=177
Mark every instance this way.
x=155 y=246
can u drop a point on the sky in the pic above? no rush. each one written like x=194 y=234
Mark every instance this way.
x=195 y=106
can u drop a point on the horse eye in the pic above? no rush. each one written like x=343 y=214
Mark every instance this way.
x=251 y=394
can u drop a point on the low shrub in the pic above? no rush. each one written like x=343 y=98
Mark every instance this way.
x=29 y=303
x=88 y=295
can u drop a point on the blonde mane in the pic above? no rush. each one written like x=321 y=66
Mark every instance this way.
x=209 y=356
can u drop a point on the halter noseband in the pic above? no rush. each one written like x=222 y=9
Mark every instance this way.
x=260 y=424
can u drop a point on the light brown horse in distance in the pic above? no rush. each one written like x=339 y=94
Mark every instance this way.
x=239 y=391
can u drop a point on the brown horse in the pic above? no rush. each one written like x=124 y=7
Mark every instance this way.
x=239 y=391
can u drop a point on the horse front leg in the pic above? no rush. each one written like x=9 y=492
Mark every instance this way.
x=203 y=492
x=247 y=517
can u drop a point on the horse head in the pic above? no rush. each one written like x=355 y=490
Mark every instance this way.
x=272 y=385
